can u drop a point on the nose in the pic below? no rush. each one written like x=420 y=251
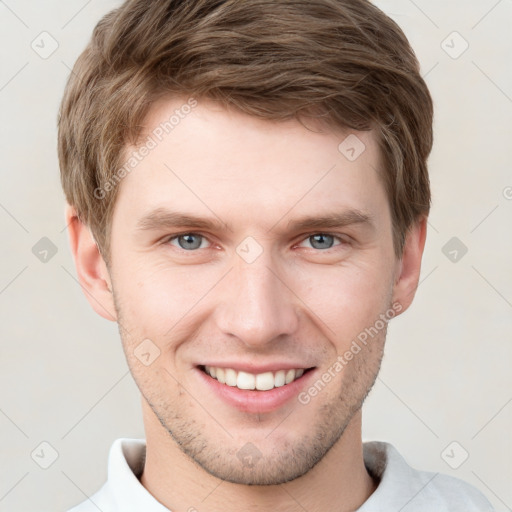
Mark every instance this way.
x=257 y=305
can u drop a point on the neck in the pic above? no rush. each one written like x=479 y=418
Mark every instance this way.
x=339 y=482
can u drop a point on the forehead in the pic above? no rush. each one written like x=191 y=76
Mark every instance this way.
x=205 y=157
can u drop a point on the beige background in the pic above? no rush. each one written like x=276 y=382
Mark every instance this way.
x=446 y=374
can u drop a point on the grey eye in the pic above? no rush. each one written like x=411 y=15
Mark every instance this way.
x=321 y=241
x=189 y=241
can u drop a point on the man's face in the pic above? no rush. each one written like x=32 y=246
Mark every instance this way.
x=255 y=291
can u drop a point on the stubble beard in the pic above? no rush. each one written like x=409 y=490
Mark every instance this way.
x=286 y=461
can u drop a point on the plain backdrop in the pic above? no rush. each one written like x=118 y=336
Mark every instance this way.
x=444 y=395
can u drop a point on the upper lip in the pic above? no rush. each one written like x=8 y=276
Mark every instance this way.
x=257 y=368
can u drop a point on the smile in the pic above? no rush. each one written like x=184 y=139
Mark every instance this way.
x=248 y=381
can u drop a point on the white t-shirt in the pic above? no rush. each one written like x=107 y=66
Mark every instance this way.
x=401 y=488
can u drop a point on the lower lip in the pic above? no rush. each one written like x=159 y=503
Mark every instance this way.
x=253 y=401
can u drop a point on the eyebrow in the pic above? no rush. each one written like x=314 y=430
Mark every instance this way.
x=333 y=220
x=162 y=218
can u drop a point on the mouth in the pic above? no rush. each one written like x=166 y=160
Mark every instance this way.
x=247 y=381
x=255 y=390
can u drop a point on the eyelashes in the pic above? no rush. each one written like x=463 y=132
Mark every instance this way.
x=192 y=241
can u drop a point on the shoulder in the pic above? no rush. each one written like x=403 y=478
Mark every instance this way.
x=403 y=487
x=450 y=492
x=101 y=500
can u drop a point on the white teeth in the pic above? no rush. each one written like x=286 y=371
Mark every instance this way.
x=279 y=379
x=220 y=375
x=230 y=377
x=290 y=375
x=245 y=380
x=262 y=381
x=265 y=381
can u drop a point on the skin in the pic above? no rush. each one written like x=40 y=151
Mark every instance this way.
x=300 y=301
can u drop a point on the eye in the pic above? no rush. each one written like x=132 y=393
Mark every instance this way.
x=323 y=241
x=192 y=241
x=188 y=241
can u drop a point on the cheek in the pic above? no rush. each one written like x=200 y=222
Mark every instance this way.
x=153 y=301
x=346 y=299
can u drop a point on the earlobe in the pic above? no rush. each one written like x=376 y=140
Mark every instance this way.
x=90 y=266
x=409 y=267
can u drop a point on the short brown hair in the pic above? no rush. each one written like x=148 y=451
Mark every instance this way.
x=343 y=62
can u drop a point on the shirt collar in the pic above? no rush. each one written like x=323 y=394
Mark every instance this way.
x=125 y=465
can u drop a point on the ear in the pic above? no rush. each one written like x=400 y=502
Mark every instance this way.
x=409 y=266
x=91 y=269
